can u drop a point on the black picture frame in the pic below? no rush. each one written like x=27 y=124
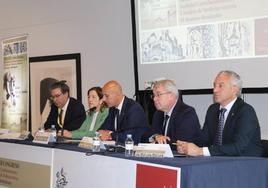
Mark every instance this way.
x=43 y=71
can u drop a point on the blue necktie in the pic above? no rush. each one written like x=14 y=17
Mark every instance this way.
x=166 y=117
x=218 y=137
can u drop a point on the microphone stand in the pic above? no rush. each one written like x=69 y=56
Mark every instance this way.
x=60 y=138
x=116 y=142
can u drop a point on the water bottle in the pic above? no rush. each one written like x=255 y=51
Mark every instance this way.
x=129 y=145
x=96 y=142
x=53 y=131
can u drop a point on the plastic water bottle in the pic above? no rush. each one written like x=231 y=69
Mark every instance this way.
x=53 y=131
x=96 y=142
x=129 y=145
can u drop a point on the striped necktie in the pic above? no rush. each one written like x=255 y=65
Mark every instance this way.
x=219 y=133
x=60 y=117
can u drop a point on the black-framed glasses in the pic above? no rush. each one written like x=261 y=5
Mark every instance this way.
x=55 y=96
x=159 y=94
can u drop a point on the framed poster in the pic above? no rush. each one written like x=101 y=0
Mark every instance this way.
x=44 y=71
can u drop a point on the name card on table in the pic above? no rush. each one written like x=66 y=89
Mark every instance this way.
x=153 y=150
x=44 y=137
x=86 y=142
x=15 y=136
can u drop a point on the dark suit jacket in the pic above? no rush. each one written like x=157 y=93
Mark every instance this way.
x=183 y=123
x=132 y=120
x=241 y=134
x=73 y=118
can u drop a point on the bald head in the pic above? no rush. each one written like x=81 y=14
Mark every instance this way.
x=113 y=86
x=113 y=93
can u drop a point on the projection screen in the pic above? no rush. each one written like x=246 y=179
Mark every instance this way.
x=190 y=41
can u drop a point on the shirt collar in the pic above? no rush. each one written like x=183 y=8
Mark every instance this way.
x=64 y=108
x=229 y=106
x=171 y=110
x=119 y=107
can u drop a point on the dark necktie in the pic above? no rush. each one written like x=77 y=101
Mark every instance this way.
x=60 y=121
x=116 y=117
x=218 y=137
x=166 y=117
x=60 y=118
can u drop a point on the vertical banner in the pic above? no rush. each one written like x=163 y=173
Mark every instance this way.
x=15 y=84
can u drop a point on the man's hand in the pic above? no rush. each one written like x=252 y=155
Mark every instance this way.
x=105 y=135
x=67 y=134
x=161 y=139
x=189 y=148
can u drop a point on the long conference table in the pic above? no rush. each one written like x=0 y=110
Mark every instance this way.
x=24 y=164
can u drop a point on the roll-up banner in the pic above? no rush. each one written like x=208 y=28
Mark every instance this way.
x=14 y=114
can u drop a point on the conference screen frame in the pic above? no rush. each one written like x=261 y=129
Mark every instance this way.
x=195 y=44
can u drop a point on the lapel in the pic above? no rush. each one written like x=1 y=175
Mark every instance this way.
x=122 y=114
x=175 y=117
x=66 y=115
x=215 y=119
x=232 y=114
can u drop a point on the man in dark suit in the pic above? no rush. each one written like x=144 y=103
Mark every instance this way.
x=126 y=116
x=66 y=112
x=173 y=120
x=231 y=126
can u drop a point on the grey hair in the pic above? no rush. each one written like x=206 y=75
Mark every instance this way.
x=235 y=81
x=169 y=86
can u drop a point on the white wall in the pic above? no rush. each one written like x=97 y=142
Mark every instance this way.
x=98 y=29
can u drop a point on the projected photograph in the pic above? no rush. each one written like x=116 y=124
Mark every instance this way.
x=236 y=39
x=158 y=14
x=162 y=46
x=201 y=42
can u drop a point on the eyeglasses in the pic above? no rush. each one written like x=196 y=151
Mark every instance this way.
x=158 y=94
x=55 y=97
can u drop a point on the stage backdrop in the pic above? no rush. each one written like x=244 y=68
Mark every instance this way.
x=15 y=84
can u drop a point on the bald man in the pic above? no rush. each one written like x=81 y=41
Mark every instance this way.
x=126 y=116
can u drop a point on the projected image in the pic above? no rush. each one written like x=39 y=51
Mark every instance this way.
x=179 y=39
x=236 y=39
x=158 y=14
x=162 y=46
x=261 y=35
x=214 y=41
x=201 y=42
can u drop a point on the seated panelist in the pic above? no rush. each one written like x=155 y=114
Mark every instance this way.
x=97 y=113
x=66 y=112
x=126 y=116
x=173 y=120
x=231 y=126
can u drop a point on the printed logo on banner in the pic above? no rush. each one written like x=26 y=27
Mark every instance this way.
x=61 y=180
x=151 y=176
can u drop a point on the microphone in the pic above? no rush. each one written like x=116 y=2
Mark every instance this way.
x=119 y=147
x=121 y=130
